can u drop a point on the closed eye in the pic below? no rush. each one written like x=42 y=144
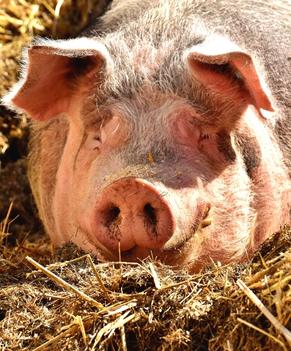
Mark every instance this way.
x=93 y=141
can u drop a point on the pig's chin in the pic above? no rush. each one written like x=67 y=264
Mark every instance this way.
x=183 y=254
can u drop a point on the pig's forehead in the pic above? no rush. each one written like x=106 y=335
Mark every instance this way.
x=149 y=100
x=149 y=85
x=134 y=100
x=148 y=57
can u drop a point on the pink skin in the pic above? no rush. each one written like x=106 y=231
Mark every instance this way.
x=102 y=203
x=87 y=213
x=131 y=212
x=92 y=214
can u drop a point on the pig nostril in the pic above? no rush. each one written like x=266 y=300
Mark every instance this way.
x=150 y=213
x=111 y=215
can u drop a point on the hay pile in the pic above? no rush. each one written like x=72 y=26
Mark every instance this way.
x=76 y=303
x=65 y=300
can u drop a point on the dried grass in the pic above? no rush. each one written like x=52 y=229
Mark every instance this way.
x=65 y=300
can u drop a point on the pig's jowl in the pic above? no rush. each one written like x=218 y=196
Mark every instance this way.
x=163 y=130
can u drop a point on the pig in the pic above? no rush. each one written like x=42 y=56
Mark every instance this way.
x=163 y=130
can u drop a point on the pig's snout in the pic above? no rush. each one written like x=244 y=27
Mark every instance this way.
x=132 y=213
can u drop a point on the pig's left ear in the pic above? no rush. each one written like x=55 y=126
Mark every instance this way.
x=217 y=62
x=54 y=73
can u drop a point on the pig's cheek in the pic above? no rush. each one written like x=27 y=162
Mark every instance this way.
x=87 y=183
x=83 y=178
x=63 y=204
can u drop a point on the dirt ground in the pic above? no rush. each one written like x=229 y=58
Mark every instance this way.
x=66 y=300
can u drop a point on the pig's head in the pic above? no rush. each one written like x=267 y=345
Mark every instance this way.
x=150 y=152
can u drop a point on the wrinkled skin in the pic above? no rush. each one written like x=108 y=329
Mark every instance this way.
x=163 y=131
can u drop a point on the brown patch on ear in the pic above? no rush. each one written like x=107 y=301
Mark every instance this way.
x=204 y=61
x=84 y=66
x=81 y=66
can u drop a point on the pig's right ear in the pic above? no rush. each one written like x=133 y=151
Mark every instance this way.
x=217 y=62
x=54 y=73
